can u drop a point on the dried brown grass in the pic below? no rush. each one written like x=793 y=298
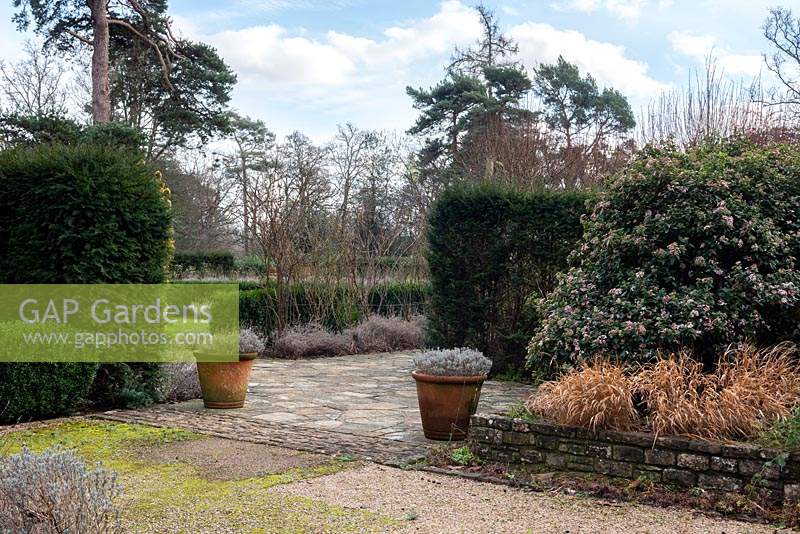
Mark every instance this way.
x=672 y=389
x=597 y=395
x=749 y=390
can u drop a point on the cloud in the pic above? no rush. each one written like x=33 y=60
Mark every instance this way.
x=272 y=56
x=701 y=47
x=692 y=45
x=267 y=54
x=608 y=63
x=745 y=64
x=299 y=78
x=622 y=9
x=280 y=5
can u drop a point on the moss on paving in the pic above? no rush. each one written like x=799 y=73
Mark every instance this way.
x=176 y=497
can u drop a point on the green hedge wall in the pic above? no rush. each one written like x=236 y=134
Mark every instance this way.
x=219 y=262
x=244 y=285
x=81 y=214
x=37 y=390
x=76 y=214
x=491 y=249
x=257 y=307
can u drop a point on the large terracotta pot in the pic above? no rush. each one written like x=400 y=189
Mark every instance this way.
x=224 y=384
x=446 y=403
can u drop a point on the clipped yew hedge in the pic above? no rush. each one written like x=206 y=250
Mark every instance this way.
x=84 y=213
x=490 y=250
x=81 y=214
x=258 y=306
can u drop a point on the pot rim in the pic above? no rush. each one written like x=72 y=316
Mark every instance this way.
x=447 y=379
x=243 y=356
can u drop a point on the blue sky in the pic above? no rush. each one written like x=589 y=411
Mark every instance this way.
x=311 y=64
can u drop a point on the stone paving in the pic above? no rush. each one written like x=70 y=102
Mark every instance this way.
x=364 y=405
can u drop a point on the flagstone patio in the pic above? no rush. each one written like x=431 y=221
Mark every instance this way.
x=364 y=405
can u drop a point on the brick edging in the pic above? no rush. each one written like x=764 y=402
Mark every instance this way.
x=320 y=441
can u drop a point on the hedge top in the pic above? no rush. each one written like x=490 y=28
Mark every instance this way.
x=82 y=214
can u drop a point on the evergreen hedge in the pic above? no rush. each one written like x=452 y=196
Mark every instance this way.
x=76 y=214
x=81 y=214
x=258 y=307
x=218 y=262
x=490 y=249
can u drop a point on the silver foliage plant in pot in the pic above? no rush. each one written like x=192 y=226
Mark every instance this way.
x=448 y=389
x=224 y=384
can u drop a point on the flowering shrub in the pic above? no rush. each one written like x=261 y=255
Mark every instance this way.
x=694 y=249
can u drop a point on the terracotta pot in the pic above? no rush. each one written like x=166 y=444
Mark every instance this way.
x=224 y=384
x=446 y=403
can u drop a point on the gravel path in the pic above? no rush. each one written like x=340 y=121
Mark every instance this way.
x=439 y=503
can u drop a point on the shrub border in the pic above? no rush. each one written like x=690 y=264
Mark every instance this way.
x=729 y=467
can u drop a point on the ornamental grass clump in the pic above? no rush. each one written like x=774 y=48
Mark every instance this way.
x=749 y=391
x=671 y=389
x=598 y=395
x=452 y=362
x=54 y=491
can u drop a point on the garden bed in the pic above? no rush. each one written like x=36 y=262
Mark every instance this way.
x=729 y=467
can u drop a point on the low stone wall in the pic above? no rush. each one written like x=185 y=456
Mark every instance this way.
x=671 y=459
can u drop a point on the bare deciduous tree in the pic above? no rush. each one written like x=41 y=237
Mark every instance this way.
x=711 y=105
x=34 y=86
x=782 y=30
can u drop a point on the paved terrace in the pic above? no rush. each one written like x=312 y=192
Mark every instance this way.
x=362 y=405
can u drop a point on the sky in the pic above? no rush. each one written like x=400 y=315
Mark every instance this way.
x=309 y=65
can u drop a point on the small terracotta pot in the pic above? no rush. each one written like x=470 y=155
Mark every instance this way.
x=446 y=403
x=224 y=384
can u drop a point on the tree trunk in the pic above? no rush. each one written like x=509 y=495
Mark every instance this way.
x=101 y=94
x=245 y=204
